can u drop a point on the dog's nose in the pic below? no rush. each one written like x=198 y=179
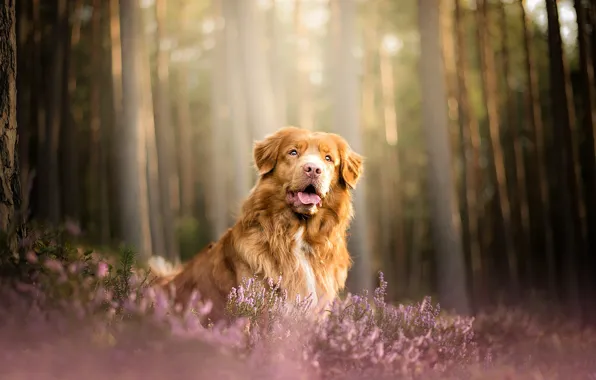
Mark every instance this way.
x=312 y=170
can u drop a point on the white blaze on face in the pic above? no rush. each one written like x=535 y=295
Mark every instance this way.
x=301 y=249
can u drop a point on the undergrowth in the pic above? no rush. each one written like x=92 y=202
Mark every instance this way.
x=66 y=301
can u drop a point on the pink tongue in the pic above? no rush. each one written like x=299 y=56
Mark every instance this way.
x=309 y=198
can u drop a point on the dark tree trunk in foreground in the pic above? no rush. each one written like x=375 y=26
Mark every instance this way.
x=446 y=238
x=10 y=186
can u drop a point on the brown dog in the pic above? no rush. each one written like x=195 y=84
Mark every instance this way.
x=293 y=223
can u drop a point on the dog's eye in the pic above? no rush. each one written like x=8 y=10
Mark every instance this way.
x=293 y=152
x=328 y=158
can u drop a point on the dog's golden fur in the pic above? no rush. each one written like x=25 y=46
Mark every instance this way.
x=276 y=232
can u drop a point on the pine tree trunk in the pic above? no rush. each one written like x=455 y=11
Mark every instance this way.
x=470 y=156
x=69 y=159
x=542 y=225
x=494 y=123
x=163 y=121
x=444 y=213
x=346 y=121
x=587 y=152
x=54 y=120
x=133 y=171
x=562 y=109
x=519 y=194
x=219 y=134
x=10 y=186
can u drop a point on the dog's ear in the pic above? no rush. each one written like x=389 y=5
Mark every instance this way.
x=351 y=165
x=266 y=151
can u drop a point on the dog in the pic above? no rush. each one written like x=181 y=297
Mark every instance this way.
x=293 y=224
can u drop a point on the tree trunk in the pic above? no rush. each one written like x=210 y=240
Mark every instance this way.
x=392 y=216
x=113 y=149
x=10 y=186
x=185 y=157
x=258 y=90
x=562 y=108
x=470 y=156
x=494 y=124
x=277 y=65
x=533 y=114
x=148 y=121
x=587 y=153
x=303 y=89
x=70 y=184
x=238 y=109
x=26 y=47
x=218 y=210
x=519 y=194
x=346 y=121
x=95 y=174
x=133 y=171
x=444 y=214
x=54 y=115
x=163 y=123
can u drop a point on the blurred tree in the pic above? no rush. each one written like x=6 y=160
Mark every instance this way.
x=54 y=115
x=513 y=134
x=133 y=170
x=218 y=205
x=447 y=241
x=236 y=93
x=163 y=125
x=69 y=134
x=533 y=119
x=10 y=186
x=568 y=192
x=490 y=92
x=97 y=199
x=148 y=122
x=470 y=157
x=587 y=122
x=346 y=121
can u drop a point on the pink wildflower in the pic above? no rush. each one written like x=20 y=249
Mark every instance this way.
x=102 y=269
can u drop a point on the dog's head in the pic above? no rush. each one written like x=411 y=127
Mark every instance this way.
x=307 y=166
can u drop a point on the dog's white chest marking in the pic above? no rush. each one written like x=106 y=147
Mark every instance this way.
x=301 y=250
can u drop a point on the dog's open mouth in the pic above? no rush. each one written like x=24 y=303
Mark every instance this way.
x=309 y=196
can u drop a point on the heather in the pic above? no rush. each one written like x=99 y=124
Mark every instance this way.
x=67 y=311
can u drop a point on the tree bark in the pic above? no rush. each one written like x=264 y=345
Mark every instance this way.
x=10 y=186
x=346 y=121
x=444 y=214
x=25 y=46
x=133 y=172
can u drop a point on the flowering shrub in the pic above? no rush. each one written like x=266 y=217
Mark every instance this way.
x=71 y=312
